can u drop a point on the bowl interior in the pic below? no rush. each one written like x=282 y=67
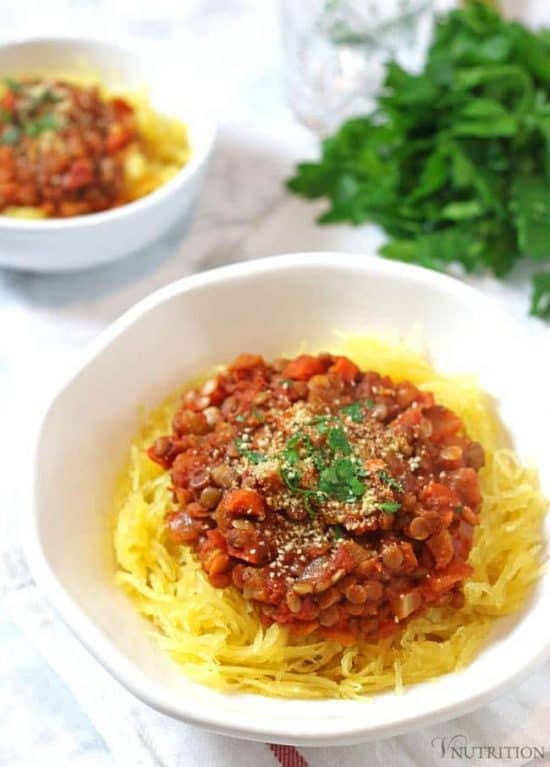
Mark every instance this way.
x=270 y=306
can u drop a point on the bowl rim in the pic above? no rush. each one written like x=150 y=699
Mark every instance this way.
x=196 y=160
x=297 y=732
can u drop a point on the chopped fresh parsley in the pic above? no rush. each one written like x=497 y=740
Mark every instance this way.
x=453 y=162
x=14 y=85
x=337 y=441
x=252 y=455
x=11 y=135
x=390 y=507
x=370 y=403
x=240 y=418
x=291 y=477
x=46 y=96
x=5 y=116
x=299 y=441
x=355 y=411
x=391 y=482
x=47 y=122
x=337 y=532
x=340 y=481
x=321 y=423
x=540 y=300
x=340 y=472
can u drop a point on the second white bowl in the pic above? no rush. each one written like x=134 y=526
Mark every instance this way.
x=75 y=243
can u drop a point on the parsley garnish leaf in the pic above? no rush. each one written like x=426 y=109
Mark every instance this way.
x=14 y=85
x=391 y=482
x=11 y=135
x=252 y=455
x=540 y=300
x=355 y=411
x=390 y=507
x=47 y=122
x=337 y=441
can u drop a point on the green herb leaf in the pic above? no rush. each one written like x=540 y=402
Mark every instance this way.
x=337 y=441
x=340 y=481
x=48 y=122
x=390 y=507
x=531 y=205
x=321 y=423
x=14 y=85
x=252 y=455
x=291 y=478
x=5 y=116
x=337 y=532
x=540 y=300
x=355 y=411
x=46 y=96
x=10 y=135
x=390 y=481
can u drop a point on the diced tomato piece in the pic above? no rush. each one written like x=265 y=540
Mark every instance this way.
x=8 y=101
x=242 y=502
x=184 y=466
x=303 y=368
x=345 y=368
x=465 y=483
x=216 y=540
x=122 y=106
x=441 y=546
x=444 y=422
x=349 y=555
x=247 y=546
x=247 y=362
x=183 y=529
x=408 y=419
x=445 y=579
x=438 y=496
x=118 y=137
x=80 y=173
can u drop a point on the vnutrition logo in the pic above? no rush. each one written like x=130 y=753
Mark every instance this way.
x=458 y=747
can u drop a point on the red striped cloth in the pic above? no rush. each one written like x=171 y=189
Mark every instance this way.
x=288 y=756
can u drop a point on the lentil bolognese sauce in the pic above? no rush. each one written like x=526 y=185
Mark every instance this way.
x=71 y=148
x=337 y=501
x=62 y=147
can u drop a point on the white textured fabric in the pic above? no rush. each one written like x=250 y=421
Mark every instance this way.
x=57 y=706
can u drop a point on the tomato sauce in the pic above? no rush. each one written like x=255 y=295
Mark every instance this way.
x=62 y=147
x=335 y=500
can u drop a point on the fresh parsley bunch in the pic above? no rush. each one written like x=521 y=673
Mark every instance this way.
x=454 y=163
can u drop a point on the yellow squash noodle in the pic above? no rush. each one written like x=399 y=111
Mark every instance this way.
x=215 y=634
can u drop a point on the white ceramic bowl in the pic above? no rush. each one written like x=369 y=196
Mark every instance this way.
x=266 y=306
x=74 y=243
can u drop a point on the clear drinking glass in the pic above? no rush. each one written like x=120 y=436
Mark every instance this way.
x=335 y=51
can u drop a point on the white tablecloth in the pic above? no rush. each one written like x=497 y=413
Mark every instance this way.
x=57 y=707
